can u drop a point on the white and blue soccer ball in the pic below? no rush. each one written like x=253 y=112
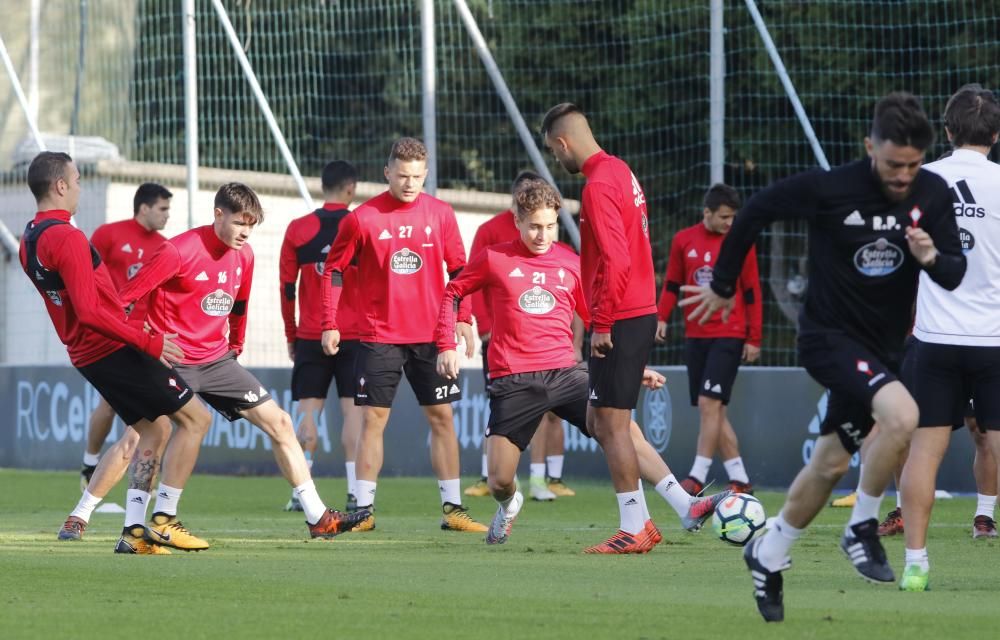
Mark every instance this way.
x=738 y=519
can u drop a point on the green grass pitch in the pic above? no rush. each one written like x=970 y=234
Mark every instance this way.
x=263 y=578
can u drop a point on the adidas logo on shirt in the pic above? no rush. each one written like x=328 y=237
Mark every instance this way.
x=127 y=248
x=964 y=202
x=201 y=277
x=516 y=273
x=693 y=253
x=854 y=220
x=385 y=235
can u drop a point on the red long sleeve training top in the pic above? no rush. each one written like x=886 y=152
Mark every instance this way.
x=79 y=295
x=693 y=253
x=532 y=299
x=125 y=246
x=200 y=289
x=402 y=252
x=304 y=252
x=617 y=259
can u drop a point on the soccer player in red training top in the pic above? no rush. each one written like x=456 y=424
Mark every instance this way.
x=713 y=351
x=200 y=284
x=123 y=246
x=874 y=226
x=619 y=282
x=402 y=241
x=88 y=317
x=534 y=286
x=303 y=256
x=547 y=444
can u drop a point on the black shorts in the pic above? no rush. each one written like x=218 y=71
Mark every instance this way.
x=380 y=367
x=853 y=374
x=712 y=364
x=313 y=370
x=519 y=400
x=943 y=378
x=615 y=379
x=225 y=385
x=137 y=386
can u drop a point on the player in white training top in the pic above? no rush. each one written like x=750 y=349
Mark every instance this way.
x=955 y=350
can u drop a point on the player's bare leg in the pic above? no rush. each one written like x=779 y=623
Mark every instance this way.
x=555 y=449
x=98 y=429
x=142 y=470
x=311 y=409
x=987 y=480
x=444 y=460
x=538 y=451
x=710 y=428
x=277 y=424
x=918 y=482
x=369 y=452
x=349 y=435
x=502 y=458
x=109 y=471
x=192 y=423
x=611 y=428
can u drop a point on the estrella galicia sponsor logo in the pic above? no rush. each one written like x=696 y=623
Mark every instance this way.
x=132 y=270
x=320 y=266
x=537 y=301
x=656 y=417
x=879 y=258
x=967 y=239
x=405 y=262
x=702 y=275
x=54 y=297
x=217 y=303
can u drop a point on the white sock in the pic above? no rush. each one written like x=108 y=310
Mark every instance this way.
x=512 y=505
x=674 y=494
x=899 y=499
x=485 y=469
x=366 y=493
x=91 y=459
x=451 y=491
x=136 y=502
x=86 y=506
x=699 y=470
x=352 y=478
x=645 y=508
x=312 y=504
x=537 y=471
x=985 y=505
x=866 y=508
x=737 y=472
x=555 y=466
x=630 y=512
x=775 y=545
x=167 y=499
x=918 y=557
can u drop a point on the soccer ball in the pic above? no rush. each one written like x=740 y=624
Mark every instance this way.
x=738 y=519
